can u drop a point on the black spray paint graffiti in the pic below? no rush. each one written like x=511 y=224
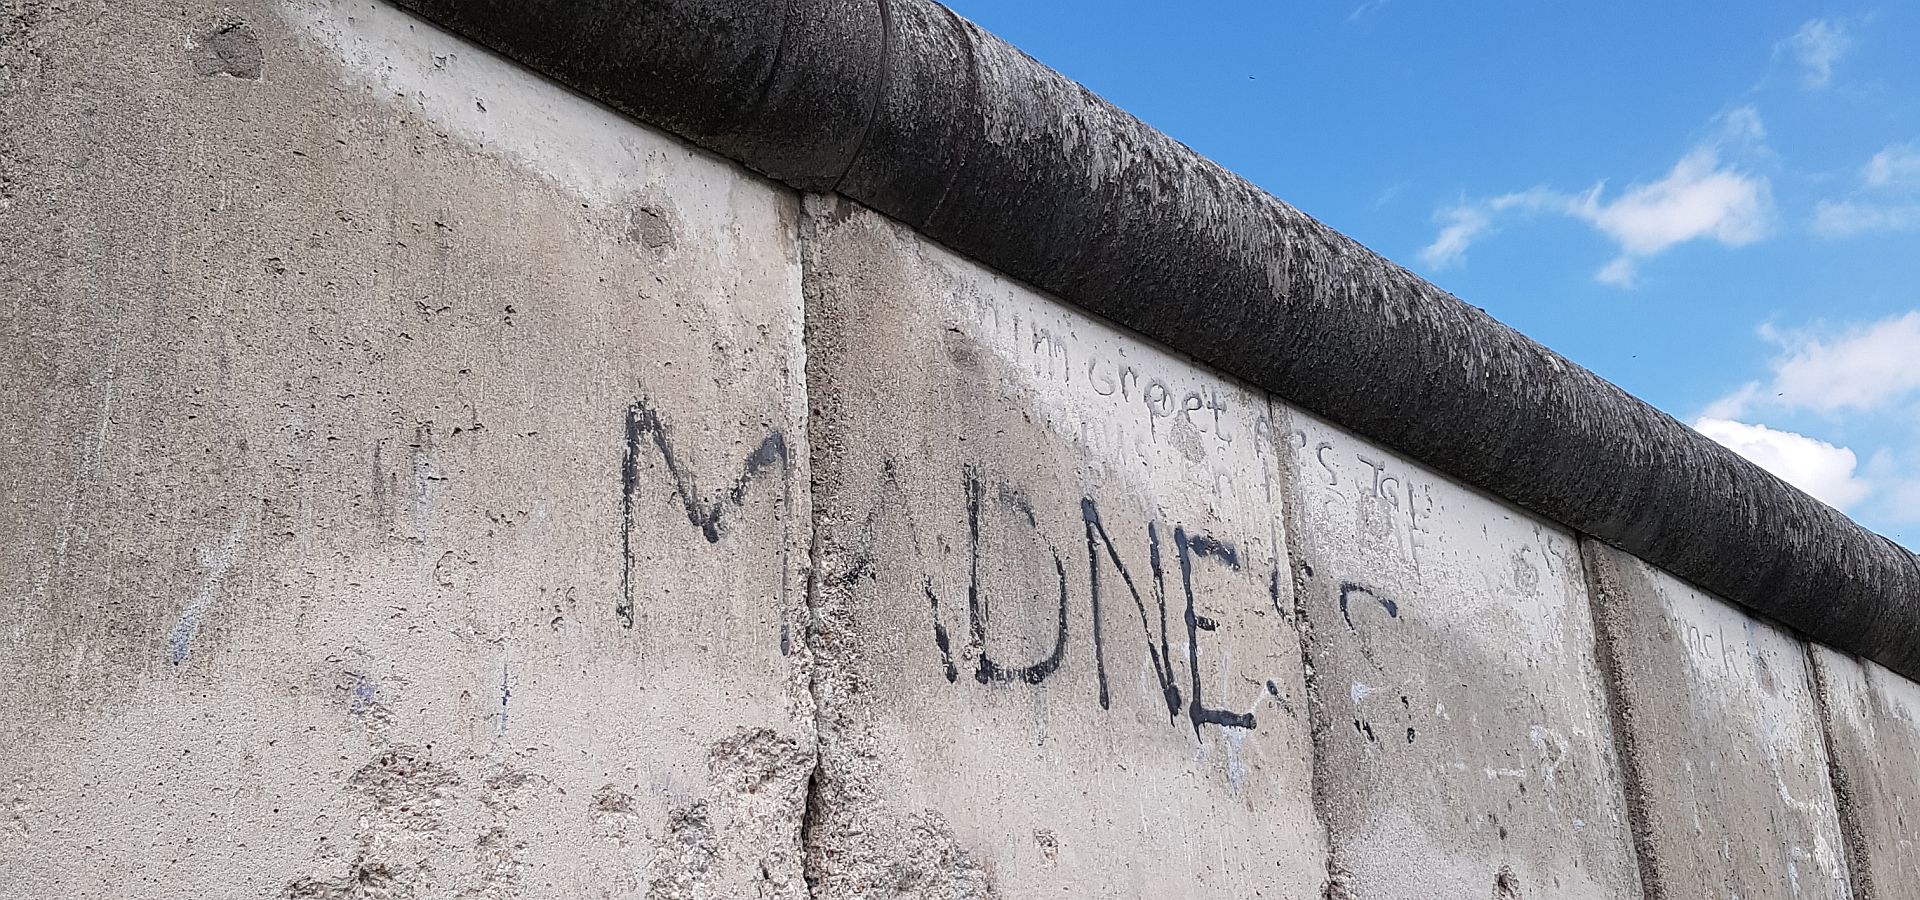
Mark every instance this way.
x=1348 y=592
x=1348 y=589
x=979 y=609
x=1161 y=659
x=644 y=427
x=1189 y=549
x=1200 y=546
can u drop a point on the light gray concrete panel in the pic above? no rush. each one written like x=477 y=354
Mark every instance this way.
x=1872 y=718
x=1726 y=761
x=405 y=479
x=1054 y=651
x=1466 y=748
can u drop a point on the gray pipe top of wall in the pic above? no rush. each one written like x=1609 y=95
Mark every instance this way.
x=917 y=113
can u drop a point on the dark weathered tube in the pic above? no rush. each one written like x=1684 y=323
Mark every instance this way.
x=909 y=109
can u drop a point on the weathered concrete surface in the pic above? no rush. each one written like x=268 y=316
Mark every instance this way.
x=329 y=343
x=1872 y=717
x=1053 y=650
x=1466 y=748
x=977 y=146
x=1726 y=761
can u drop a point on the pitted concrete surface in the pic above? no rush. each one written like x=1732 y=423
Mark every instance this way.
x=1055 y=655
x=1726 y=759
x=922 y=116
x=1466 y=749
x=406 y=474
x=1873 y=726
x=424 y=483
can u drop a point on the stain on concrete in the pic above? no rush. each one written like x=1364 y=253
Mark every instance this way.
x=214 y=563
x=228 y=47
x=612 y=815
x=652 y=225
x=424 y=830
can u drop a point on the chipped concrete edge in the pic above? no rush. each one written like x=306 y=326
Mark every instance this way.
x=906 y=108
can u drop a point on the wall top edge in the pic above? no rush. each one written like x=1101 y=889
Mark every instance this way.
x=911 y=110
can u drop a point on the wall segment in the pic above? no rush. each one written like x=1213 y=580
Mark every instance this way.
x=984 y=150
x=1727 y=757
x=425 y=482
x=372 y=406
x=1055 y=614
x=1465 y=746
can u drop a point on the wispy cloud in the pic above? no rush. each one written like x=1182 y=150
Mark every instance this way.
x=1816 y=47
x=1865 y=368
x=1897 y=168
x=1846 y=218
x=1462 y=225
x=1817 y=467
x=1700 y=198
x=1886 y=199
x=1366 y=10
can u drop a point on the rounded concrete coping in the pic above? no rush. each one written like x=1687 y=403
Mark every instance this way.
x=911 y=110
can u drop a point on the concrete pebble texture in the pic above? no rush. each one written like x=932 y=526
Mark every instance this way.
x=1056 y=655
x=1727 y=759
x=407 y=493
x=1873 y=729
x=423 y=482
x=1467 y=749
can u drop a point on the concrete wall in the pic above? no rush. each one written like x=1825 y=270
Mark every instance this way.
x=1465 y=747
x=406 y=474
x=1728 y=763
x=424 y=482
x=1056 y=649
x=1872 y=720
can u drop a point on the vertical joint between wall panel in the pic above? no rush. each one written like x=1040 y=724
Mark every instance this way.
x=812 y=808
x=1319 y=721
x=1853 y=839
x=1604 y=595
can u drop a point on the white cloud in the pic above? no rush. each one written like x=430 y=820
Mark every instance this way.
x=1867 y=376
x=1620 y=273
x=1861 y=369
x=1866 y=368
x=1699 y=199
x=1895 y=168
x=1817 y=467
x=1817 y=46
x=1468 y=222
x=1846 y=218
x=1741 y=127
x=1461 y=226
x=1885 y=200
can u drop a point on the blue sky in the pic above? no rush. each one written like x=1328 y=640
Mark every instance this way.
x=1714 y=205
